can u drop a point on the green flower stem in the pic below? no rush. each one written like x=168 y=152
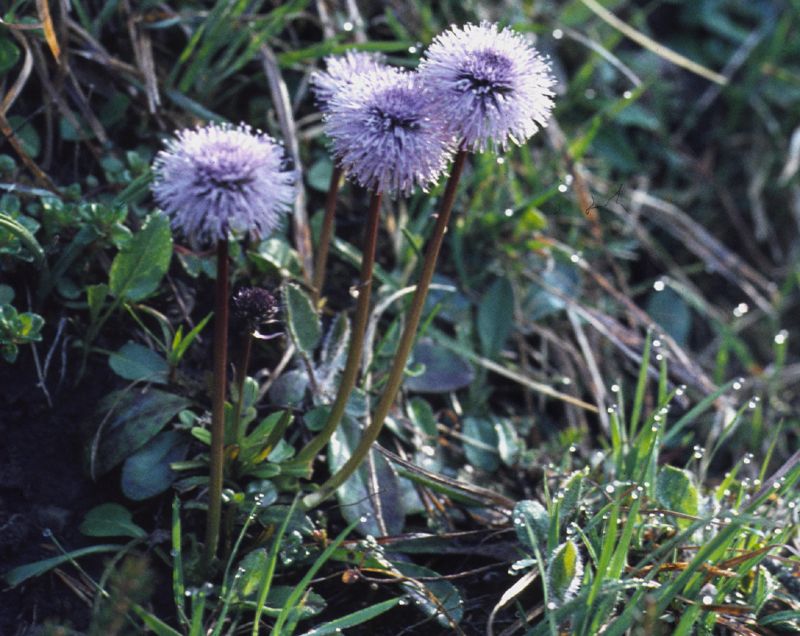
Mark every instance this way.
x=217 y=406
x=360 y=320
x=396 y=373
x=241 y=376
x=321 y=259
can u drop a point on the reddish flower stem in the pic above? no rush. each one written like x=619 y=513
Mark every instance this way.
x=217 y=406
x=395 y=378
x=350 y=373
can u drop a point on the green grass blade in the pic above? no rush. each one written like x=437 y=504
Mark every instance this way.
x=356 y=618
x=300 y=588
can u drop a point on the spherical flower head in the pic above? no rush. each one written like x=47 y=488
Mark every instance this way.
x=385 y=133
x=490 y=85
x=253 y=307
x=341 y=71
x=221 y=179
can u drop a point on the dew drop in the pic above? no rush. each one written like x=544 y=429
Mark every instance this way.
x=707 y=600
x=781 y=336
x=740 y=310
x=500 y=161
x=615 y=388
x=558 y=34
x=562 y=188
x=610 y=489
x=551 y=605
x=659 y=285
x=348 y=26
x=627 y=94
x=509 y=212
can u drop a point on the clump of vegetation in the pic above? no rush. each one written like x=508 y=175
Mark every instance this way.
x=527 y=372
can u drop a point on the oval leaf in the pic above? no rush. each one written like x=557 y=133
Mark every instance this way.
x=676 y=491
x=127 y=421
x=531 y=522
x=136 y=362
x=480 y=444
x=139 y=267
x=444 y=371
x=564 y=572
x=375 y=478
x=302 y=320
x=147 y=472
x=496 y=317
x=111 y=520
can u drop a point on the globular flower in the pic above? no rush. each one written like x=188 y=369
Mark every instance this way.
x=254 y=307
x=490 y=85
x=385 y=132
x=341 y=71
x=221 y=179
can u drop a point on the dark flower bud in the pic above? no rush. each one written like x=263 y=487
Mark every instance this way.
x=253 y=307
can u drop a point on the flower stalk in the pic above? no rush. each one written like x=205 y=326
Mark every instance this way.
x=321 y=260
x=217 y=405
x=354 y=353
x=396 y=373
x=241 y=377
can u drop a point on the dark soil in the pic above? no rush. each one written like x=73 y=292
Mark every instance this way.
x=42 y=487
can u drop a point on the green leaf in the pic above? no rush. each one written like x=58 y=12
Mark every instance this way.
x=431 y=595
x=318 y=175
x=111 y=520
x=564 y=572
x=9 y=54
x=676 y=491
x=444 y=370
x=250 y=571
x=138 y=269
x=289 y=389
x=531 y=521
x=508 y=443
x=136 y=362
x=29 y=570
x=670 y=311
x=480 y=444
x=147 y=472
x=571 y=490
x=540 y=302
x=496 y=317
x=302 y=320
x=358 y=617
x=126 y=421
x=423 y=417
x=357 y=495
x=27 y=134
x=25 y=236
x=6 y=294
x=96 y=296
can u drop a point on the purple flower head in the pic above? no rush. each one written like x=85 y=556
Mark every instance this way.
x=220 y=179
x=341 y=71
x=385 y=133
x=490 y=86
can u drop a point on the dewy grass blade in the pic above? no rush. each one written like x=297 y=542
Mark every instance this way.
x=269 y=571
x=178 y=585
x=336 y=626
x=227 y=590
x=300 y=588
x=641 y=386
